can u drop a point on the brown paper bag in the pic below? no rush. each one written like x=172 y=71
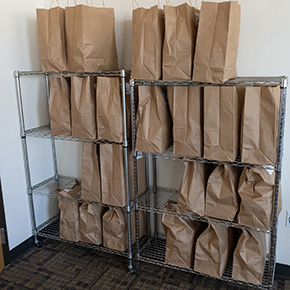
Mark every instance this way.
x=250 y=257
x=217 y=42
x=83 y=108
x=256 y=189
x=113 y=184
x=148 y=32
x=91 y=223
x=52 y=42
x=109 y=109
x=181 y=235
x=153 y=123
x=187 y=121
x=59 y=107
x=90 y=35
x=90 y=173
x=191 y=195
x=260 y=125
x=69 y=214
x=222 y=199
x=221 y=123
x=179 y=42
x=214 y=249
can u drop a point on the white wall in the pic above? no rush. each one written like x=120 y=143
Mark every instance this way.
x=264 y=47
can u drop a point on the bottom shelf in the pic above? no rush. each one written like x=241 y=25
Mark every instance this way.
x=50 y=229
x=153 y=252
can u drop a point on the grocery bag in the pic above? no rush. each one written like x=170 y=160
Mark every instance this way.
x=214 y=249
x=179 y=42
x=91 y=223
x=222 y=199
x=217 y=42
x=221 y=123
x=90 y=36
x=90 y=173
x=148 y=36
x=69 y=214
x=153 y=122
x=59 y=107
x=250 y=257
x=83 y=108
x=52 y=40
x=260 y=125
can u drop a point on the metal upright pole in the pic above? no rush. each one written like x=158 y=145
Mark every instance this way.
x=123 y=86
x=147 y=186
x=47 y=90
x=155 y=200
x=25 y=157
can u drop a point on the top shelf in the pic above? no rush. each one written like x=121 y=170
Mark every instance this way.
x=240 y=81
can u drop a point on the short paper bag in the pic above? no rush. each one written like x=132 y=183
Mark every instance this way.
x=217 y=42
x=214 y=249
x=148 y=32
x=221 y=123
x=222 y=199
x=153 y=122
x=59 y=107
x=260 y=125
x=91 y=43
x=90 y=173
x=179 y=42
x=250 y=257
x=52 y=41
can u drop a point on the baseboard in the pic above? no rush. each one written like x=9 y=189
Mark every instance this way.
x=282 y=271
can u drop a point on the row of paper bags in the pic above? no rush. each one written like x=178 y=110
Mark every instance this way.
x=216 y=122
x=227 y=193
x=211 y=247
x=103 y=174
x=79 y=38
x=180 y=48
x=93 y=223
x=87 y=108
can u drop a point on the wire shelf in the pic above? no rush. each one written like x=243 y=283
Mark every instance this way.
x=168 y=154
x=155 y=202
x=241 y=81
x=154 y=252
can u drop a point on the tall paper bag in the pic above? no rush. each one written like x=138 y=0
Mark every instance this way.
x=260 y=125
x=52 y=40
x=153 y=122
x=250 y=257
x=83 y=108
x=148 y=35
x=217 y=42
x=90 y=35
x=179 y=42
x=59 y=107
x=90 y=173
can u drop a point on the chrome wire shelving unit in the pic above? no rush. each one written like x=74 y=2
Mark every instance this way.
x=153 y=250
x=48 y=187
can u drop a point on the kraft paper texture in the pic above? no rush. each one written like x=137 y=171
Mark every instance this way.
x=250 y=257
x=153 y=122
x=148 y=36
x=222 y=199
x=260 y=125
x=90 y=173
x=221 y=123
x=52 y=41
x=179 y=42
x=214 y=249
x=69 y=214
x=187 y=111
x=59 y=107
x=217 y=42
x=83 y=108
x=91 y=223
x=90 y=36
